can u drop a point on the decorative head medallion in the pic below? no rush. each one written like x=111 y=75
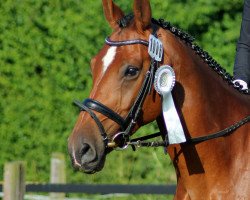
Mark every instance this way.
x=155 y=48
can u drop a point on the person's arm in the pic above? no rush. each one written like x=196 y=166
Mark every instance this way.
x=242 y=60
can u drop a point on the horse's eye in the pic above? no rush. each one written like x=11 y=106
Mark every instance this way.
x=131 y=71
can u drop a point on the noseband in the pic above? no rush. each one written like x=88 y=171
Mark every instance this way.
x=127 y=125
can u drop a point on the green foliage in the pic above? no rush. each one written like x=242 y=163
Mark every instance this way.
x=45 y=50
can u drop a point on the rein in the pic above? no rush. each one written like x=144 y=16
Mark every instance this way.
x=140 y=142
x=122 y=139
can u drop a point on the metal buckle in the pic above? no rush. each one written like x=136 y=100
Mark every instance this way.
x=155 y=48
x=119 y=142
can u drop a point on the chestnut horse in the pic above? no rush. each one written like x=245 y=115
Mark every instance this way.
x=204 y=96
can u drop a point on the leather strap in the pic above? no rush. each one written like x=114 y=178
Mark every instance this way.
x=125 y=42
x=96 y=119
x=99 y=107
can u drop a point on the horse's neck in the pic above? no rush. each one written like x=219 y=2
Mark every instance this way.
x=208 y=104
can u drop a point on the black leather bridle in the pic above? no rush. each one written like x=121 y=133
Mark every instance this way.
x=126 y=125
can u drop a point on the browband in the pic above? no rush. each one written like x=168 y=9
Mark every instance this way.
x=125 y=42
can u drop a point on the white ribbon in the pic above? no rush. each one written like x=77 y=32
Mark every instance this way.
x=164 y=83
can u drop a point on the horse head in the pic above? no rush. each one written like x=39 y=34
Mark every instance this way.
x=120 y=72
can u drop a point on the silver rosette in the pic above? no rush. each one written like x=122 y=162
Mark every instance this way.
x=164 y=79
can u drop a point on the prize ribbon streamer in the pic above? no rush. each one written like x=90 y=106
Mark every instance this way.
x=164 y=83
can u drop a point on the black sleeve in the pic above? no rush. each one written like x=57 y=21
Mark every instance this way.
x=242 y=60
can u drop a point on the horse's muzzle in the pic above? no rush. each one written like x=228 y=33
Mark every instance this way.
x=86 y=157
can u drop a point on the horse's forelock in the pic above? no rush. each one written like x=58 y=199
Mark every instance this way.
x=124 y=22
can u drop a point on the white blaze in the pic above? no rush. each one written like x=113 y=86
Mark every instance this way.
x=108 y=58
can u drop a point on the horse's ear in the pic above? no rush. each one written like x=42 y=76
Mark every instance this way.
x=112 y=13
x=142 y=12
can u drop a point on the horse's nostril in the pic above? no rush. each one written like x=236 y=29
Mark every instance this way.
x=85 y=149
x=88 y=154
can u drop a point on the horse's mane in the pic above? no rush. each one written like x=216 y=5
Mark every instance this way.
x=189 y=40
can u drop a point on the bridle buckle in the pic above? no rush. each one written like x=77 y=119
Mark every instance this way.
x=119 y=141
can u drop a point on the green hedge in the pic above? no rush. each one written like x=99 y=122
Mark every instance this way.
x=45 y=48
